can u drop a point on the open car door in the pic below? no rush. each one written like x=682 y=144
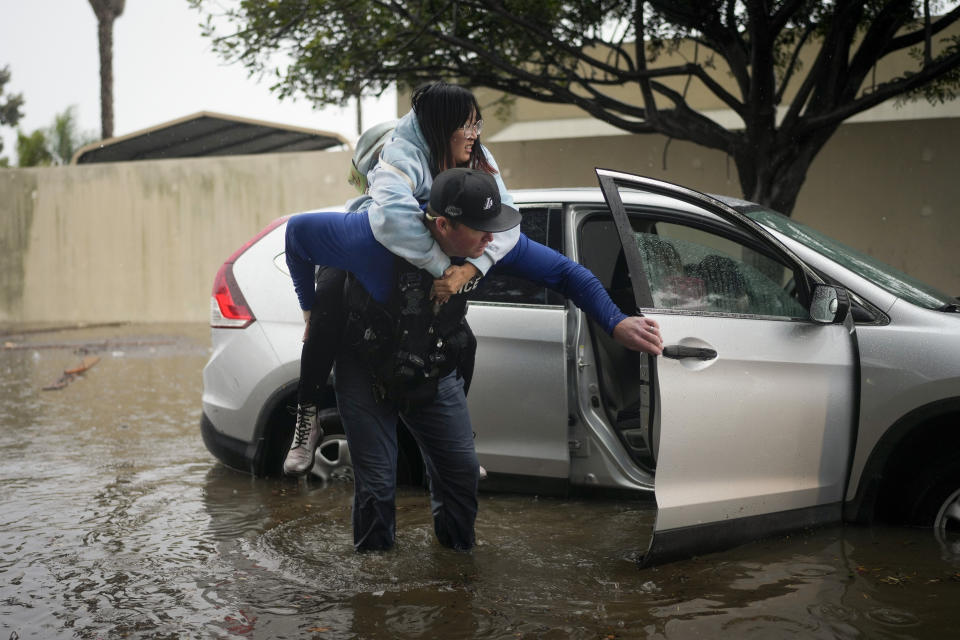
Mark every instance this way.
x=754 y=400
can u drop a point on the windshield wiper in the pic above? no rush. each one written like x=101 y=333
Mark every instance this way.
x=953 y=307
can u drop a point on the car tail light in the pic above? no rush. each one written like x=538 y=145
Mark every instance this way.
x=228 y=307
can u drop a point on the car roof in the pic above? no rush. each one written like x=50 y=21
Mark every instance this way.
x=587 y=195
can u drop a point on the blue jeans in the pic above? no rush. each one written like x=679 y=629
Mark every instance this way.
x=443 y=431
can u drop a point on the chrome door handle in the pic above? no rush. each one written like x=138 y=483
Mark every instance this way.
x=679 y=352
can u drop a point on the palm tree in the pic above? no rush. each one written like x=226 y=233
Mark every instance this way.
x=10 y=105
x=64 y=138
x=106 y=11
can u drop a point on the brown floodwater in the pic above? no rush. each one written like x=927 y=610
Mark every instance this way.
x=117 y=523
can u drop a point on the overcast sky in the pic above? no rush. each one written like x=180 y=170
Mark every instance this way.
x=163 y=69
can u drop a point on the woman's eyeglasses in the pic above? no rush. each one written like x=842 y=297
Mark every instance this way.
x=476 y=128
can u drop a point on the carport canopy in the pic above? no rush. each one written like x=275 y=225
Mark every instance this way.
x=208 y=134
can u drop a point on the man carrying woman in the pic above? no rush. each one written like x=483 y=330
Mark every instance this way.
x=401 y=355
x=441 y=131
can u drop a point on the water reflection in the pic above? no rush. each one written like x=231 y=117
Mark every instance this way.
x=296 y=544
x=116 y=522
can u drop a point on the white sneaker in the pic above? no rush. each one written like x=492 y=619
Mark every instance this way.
x=306 y=436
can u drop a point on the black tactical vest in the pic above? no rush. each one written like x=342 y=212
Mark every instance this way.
x=409 y=343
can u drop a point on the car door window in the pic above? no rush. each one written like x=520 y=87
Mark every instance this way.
x=541 y=224
x=693 y=269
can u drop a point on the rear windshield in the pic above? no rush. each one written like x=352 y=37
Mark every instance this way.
x=883 y=275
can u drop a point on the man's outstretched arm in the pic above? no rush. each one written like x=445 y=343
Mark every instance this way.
x=533 y=261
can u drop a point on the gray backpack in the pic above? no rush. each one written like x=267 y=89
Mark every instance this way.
x=367 y=153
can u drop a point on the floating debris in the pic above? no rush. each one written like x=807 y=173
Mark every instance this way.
x=102 y=345
x=71 y=373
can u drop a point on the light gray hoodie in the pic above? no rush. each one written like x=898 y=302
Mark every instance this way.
x=398 y=184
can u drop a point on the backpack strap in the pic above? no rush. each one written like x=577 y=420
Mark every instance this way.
x=389 y=167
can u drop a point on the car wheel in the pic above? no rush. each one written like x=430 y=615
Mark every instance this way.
x=946 y=524
x=331 y=460
x=939 y=507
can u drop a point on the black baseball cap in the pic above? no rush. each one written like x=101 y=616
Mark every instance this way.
x=471 y=197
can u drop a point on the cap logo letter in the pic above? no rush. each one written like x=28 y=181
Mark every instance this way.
x=488 y=204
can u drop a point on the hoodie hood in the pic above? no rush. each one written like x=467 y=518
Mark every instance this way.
x=407 y=144
x=408 y=128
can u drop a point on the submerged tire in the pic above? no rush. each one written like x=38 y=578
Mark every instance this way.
x=331 y=460
x=937 y=505
x=946 y=524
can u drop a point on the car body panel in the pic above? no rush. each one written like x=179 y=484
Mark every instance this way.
x=909 y=358
x=598 y=458
x=909 y=363
x=247 y=367
x=274 y=299
x=518 y=400
x=234 y=390
x=764 y=427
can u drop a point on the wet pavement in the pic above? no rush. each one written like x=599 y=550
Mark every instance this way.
x=115 y=522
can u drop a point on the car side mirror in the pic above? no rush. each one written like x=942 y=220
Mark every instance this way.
x=829 y=304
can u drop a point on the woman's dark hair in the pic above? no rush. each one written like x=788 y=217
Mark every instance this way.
x=441 y=109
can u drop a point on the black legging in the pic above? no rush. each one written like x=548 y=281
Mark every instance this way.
x=324 y=336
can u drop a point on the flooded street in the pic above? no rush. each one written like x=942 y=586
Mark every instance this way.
x=117 y=523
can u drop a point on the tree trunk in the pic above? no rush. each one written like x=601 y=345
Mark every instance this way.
x=107 y=11
x=359 y=115
x=772 y=174
x=105 y=35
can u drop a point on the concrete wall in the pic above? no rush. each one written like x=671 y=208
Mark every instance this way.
x=141 y=241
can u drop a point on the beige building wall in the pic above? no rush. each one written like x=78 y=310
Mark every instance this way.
x=890 y=189
x=141 y=241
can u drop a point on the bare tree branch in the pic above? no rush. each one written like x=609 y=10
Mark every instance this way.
x=915 y=37
x=794 y=60
x=883 y=92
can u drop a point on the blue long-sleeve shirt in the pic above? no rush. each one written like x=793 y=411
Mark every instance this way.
x=345 y=241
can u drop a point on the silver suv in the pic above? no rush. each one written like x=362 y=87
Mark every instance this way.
x=804 y=382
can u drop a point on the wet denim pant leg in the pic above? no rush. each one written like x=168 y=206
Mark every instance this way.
x=445 y=436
